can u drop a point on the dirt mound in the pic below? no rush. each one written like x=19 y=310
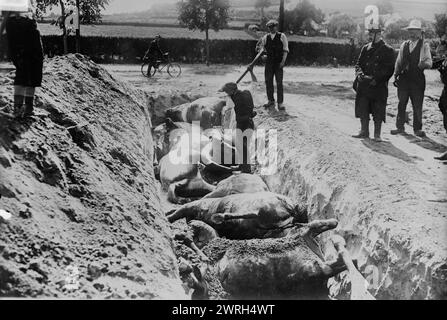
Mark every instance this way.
x=78 y=181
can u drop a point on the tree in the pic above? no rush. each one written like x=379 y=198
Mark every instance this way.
x=281 y=16
x=441 y=24
x=395 y=31
x=261 y=5
x=204 y=15
x=385 y=7
x=341 y=23
x=89 y=12
x=305 y=10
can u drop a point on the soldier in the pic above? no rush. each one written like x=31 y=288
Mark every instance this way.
x=276 y=46
x=374 y=68
x=414 y=57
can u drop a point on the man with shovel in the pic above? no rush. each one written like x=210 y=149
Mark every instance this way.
x=276 y=46
x=243 y=107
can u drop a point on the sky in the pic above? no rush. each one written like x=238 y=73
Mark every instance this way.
x=404 y=7
x=121 y=6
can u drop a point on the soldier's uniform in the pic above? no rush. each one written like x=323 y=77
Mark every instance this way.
x=374 y=68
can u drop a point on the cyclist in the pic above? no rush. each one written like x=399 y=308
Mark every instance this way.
x=153 y=54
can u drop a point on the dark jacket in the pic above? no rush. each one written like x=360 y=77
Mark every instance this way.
x=25 y=50
x=23 y=39
x=243 y=105
x=443 y=70
x=154 y=49
x=378 y=62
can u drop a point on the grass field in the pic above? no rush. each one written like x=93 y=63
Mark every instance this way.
x=147 y=32
x=171 y=32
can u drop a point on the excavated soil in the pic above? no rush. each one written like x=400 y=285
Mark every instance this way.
x=78 y=181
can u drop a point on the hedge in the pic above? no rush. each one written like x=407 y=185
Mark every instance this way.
x=131 y=50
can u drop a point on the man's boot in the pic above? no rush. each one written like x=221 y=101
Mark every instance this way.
x=397 y=131
x=270 y=104
x=18 y=106
x=364 y=129
x=420 y=134
x=29 y=107
x=442 y=157
x=377 y=131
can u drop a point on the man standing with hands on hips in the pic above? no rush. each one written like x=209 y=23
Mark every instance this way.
x=276 y=47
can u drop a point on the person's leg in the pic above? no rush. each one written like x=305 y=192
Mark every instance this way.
x=19 y=99
x=379 y=115
x=417 y=100
x=269 y=73
x=279 y=75
x=149 y=68
x=403 y=96
x=245 y=167
x=29 y=101
x=362 y=112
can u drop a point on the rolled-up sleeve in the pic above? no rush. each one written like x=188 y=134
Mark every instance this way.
x=426 y=61
x=263 y=42
x=285 y=42
x=398 y=66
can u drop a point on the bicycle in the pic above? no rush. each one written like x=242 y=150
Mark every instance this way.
x=173 y=69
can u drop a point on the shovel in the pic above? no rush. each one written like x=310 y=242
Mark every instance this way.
x=359 y=284
x=250 y=69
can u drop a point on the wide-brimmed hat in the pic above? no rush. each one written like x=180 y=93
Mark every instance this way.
x=228 y=87
x=415 y=24
x=272 y=23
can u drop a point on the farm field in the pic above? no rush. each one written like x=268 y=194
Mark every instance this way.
x=147 y=32
x=172 y=32
x=163 y=20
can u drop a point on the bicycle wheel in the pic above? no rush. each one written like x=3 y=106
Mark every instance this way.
x=144 y=68
x=174 y=70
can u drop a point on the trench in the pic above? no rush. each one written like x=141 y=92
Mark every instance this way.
x=396 y=262
x=283 y=183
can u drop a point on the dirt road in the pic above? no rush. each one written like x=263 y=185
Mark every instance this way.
x=390 y=197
